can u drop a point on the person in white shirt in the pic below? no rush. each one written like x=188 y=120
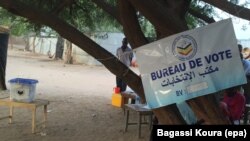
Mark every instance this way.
x=125 y=55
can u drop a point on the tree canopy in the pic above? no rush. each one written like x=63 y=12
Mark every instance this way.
x=87 y=17
x=71 y=18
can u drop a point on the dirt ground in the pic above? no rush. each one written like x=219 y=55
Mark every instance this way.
x=80 y=103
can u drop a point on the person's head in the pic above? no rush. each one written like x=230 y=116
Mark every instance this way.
x=246 y=53
x=124 y=42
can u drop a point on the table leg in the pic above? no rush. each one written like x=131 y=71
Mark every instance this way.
x=139 y=125
x=33 y=120
x=126 y=121
x=246 y=113
x=124 y=101
x=150 y=121
x=11 y=114
x=45 y=116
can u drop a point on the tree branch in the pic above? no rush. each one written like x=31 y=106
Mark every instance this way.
x=185 y=6
x=201 y=16
x=108 y=8
x=80 y=7
x=132 y=29
x=75 y=36
x=61 y=6
x=130 y=23
x=163 y=18
x=179 y=6
x=231 y=8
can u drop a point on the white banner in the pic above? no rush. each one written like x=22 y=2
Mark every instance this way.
x=190 y=64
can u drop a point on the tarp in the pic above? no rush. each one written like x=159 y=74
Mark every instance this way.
x=190 y=64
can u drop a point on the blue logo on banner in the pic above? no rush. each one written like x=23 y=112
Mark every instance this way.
x=184 y=47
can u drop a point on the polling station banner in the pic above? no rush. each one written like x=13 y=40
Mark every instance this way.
x=190 y=64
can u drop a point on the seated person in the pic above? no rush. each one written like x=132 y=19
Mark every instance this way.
x=233 y=104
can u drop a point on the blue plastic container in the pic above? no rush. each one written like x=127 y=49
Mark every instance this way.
x=22 y=89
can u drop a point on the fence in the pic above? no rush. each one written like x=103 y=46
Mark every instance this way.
x=43 y=45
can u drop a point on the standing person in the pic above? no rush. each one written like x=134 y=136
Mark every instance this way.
x=233 y=104
x=125 y=55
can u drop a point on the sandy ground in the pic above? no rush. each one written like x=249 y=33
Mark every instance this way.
x=80 y=108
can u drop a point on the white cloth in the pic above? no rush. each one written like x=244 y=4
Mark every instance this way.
x=125 y=56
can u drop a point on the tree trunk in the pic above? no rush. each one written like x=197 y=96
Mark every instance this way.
x=59 y=48
x=205 y=108
x=69 y=59
x=11 y=42
x=165 y=20
x=166 y=115
x=4 y=37
x=27 y=43
x=34 y=45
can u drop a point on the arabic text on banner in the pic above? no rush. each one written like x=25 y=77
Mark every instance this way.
x=190 y=64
